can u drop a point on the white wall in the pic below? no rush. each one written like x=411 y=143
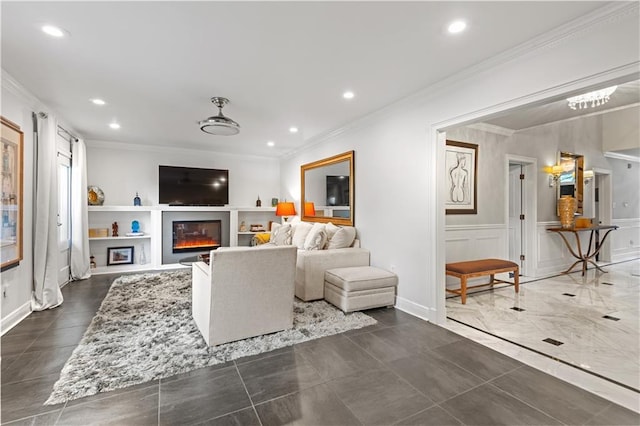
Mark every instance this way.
x=399 y=182
x=121 y=170
x=621 y=131
x=18 y=281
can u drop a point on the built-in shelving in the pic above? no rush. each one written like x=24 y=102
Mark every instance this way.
x=150 y=219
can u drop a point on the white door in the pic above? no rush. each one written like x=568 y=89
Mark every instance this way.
x=64 y=217
x=515 y=211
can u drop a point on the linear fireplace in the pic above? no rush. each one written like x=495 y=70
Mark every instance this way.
x=196 y=235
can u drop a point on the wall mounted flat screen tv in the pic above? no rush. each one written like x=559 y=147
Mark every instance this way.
x=190 y=186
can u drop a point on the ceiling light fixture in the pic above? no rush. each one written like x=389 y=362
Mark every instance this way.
x=114 y=126
x=98 y=101
x=348 y=95
x=271 y=143
x=595 y=98
x=457 y=27
x=293 y=129
x=219 y=124
x=52 y=31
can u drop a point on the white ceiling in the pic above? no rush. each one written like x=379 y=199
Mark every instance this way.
x=281 y=64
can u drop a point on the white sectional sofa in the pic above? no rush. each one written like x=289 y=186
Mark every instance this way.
x=320 y=247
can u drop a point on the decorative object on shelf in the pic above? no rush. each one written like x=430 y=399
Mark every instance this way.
x=256 y=228
x=285 y=209
x=274 y=202
x=98 y=232
x=120 y=256
x=567 y=206
x=92 y=262
x=135 y=227
x=143 y=256
x=95 y=196
x=136 y=200
x=114 y=229
x=461 y=165
x=258 y=202
x=309 y=209
x=219 y=124
x=583 y=222
x=260 y=238
x=243 y=227
x=11 y=202
x=595 y=98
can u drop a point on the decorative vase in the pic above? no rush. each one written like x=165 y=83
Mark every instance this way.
x=567 y=206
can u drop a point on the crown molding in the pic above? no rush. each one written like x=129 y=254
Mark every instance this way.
x=123 y=146
x=491 y=128
x=12 y=85
x=611 y=154
x=584 y=25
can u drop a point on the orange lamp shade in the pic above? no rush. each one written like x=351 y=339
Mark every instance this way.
x=285 y=209
x=309 y=209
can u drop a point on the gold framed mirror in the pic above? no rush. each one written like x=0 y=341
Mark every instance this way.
x=571 y=179
x=327 y=190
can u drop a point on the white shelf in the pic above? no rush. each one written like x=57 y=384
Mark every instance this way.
x=121 y=208
x=136 y=237
x=253 y=233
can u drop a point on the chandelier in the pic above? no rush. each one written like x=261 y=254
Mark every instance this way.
x=595 y=98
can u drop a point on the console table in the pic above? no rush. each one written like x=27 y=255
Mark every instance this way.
x=590 y=254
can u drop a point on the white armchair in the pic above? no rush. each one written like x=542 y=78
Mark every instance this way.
x=243 y=293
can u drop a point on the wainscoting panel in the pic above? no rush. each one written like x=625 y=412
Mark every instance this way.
x=470 y=242
x=625 y=241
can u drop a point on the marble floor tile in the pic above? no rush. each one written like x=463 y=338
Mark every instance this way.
x=598 y=345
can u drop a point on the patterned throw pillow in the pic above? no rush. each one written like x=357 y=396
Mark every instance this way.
x=281 y=235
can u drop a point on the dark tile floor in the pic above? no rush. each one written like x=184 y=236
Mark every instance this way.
x=400 y=371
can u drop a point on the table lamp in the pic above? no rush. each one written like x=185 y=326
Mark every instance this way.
x=285 y=209
x=309 y=209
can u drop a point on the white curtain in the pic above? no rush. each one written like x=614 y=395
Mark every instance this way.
x=46 y=292
x=80 y=252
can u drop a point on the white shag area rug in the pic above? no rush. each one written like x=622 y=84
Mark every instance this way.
x=144 y=331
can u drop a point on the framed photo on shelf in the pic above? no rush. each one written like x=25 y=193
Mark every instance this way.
x=461 y=165
x=12 y=203
x=119 y=255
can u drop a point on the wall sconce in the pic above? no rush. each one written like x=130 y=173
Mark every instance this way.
x=587 y=176
x=554 y=173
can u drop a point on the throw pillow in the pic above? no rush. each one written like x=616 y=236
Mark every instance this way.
x=343 y=238
x=300 y=232
x=317 y=237
x=281 y=235
x=331 y=230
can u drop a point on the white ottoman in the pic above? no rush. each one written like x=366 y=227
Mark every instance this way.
x=360 y=287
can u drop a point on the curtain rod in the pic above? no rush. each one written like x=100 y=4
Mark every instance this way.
x=71 y=135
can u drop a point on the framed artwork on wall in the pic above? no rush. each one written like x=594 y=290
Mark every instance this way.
x=461 y=165
x=12 y=202
x=119 y=255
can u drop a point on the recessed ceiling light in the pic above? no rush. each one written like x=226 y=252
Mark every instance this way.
x=52 y=31
x=457 y=27
x=293 y=129
x=114 y=125
x=348 y=95
x=98 y=101
x=271 y=143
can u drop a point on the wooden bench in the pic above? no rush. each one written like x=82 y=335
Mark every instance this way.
x=479 y=268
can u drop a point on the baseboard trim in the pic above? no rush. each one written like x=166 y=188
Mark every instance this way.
x=15 y=317
x=412 y=308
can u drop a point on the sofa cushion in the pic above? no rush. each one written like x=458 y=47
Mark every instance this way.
x=331 y=230
x=300 y=232
x=316 y=238
x=343 y=238
x=281 y=234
